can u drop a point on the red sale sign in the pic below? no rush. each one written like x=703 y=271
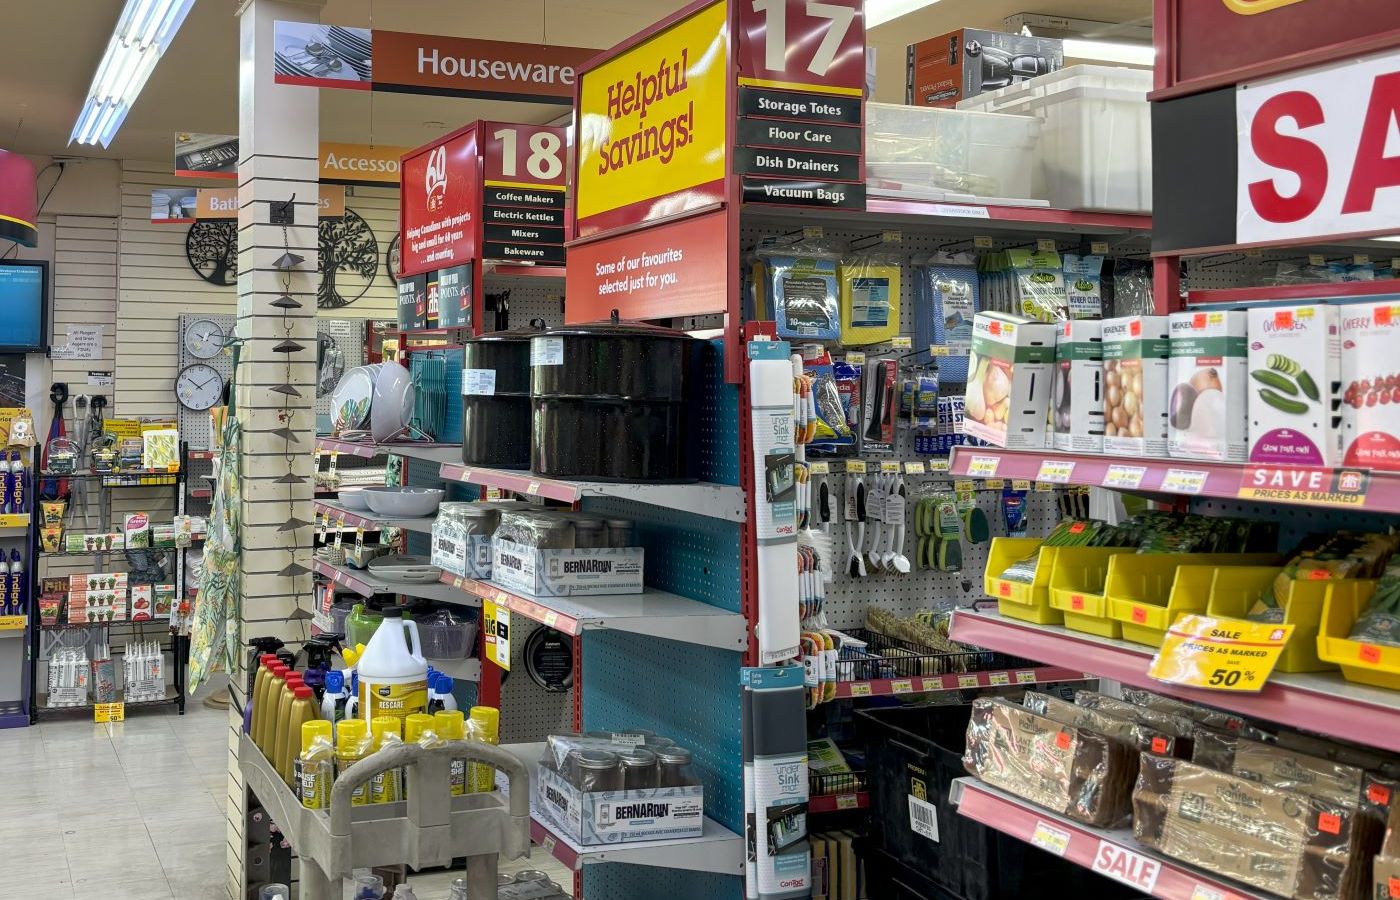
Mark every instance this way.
x=1318 y=154
x=441 y=192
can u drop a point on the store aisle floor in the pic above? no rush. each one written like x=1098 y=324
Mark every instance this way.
x=131 y=810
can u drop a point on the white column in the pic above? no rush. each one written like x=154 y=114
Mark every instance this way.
x=278 y=148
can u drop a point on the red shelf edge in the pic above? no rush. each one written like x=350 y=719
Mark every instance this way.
x=520 y=483
x=530 y=609
x=1352 y=289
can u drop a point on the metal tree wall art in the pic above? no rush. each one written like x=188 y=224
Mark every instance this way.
x=391 y=260
x=348 y=246
x=211 y=246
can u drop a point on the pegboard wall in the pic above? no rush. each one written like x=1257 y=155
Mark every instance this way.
x=1232 y=270
x=194 y=426
x=530 y=298
x=348 y=336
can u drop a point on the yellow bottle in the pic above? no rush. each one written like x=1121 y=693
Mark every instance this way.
x=302 y=710
x=450 y=726
x=259 y=685
x=277 y=729
x=352 y=745
x=486 y=726
x=267 y=703
x=418 y=728
x=315 y=767
x=386 y=787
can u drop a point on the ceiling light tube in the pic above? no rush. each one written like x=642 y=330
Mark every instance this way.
x=1110 y=51
x=143 y=32
x=878 y=12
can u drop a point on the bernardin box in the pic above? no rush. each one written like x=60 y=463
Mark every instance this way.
x=1295 y=366
x=613 y=817
x=964 y=63
x=566 y=573
x=1206 y=381
x=1076 y=397
x=1008 y=390
x=1136 y=351
x=459 y=553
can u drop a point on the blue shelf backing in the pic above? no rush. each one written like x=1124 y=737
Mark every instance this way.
x=718 y=423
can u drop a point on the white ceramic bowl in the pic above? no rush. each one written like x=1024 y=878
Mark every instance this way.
x=353 y=499
x=392 y=407
x=403 y=502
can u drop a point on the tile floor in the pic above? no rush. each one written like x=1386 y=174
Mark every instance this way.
x=131 y=810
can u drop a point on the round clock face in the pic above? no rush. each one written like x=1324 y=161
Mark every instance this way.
x=199 y=387
x=204 y=339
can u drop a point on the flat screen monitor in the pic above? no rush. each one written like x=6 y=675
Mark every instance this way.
x=24 y=306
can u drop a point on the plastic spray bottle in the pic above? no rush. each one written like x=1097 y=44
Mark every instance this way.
x=333 y=700
x=451 y=726
x=19 y=493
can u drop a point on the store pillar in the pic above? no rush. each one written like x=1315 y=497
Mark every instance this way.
x=275 y=378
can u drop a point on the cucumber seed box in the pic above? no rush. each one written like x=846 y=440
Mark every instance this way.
x=1295 y=366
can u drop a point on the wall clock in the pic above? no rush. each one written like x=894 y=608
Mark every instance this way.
x=204 y=338
x=199 y=387
x=391 y=259
x=349 y=260
x=211 y=246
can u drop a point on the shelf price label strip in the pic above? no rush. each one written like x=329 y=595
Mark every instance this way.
x=517 y=604
x=883 y=687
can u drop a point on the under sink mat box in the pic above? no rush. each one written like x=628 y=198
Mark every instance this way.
x=965 y=154
x=1147 y=591
x=1095 y=148
x=1077 y=589
x=1295 y=352
x=589 y=818
x=1206 y=384
x=1363 y=662
x=566 y=573
x=1235 y=590
x=1075 y=772
x=1283 y=842
x=1029 y=602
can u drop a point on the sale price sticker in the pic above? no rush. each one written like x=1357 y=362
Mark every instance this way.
x=983 y=466
x=1121 y=864
x=1055 y=471
x=1124 y=478
x=1219 y=654
x=1050 y=839
x=999 y=679
x=1184 y=481
x=109 y=712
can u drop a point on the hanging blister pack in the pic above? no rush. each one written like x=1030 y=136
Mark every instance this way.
x=869 y=293
x=799 y=290
x=1083 y=278
x=1040 y=284
x=947 y=296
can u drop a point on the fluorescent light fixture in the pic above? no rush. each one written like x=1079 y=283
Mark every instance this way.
x=1110 y=51
x=878 y=12
x=143 y=33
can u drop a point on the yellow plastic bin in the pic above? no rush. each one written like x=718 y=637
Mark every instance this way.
x=1077 y=585
x=1376 y=664
x=1015 y=599
x=1235 y=590
x=1146 y=592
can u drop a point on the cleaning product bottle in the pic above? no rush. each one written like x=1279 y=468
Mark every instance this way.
x=271 y=695
x=19 y=488
x=352 y=703
x=277 y=741
x=302 y=710
x=486 y=726
x=4 y=585
x=252 y=715
x=421 y=729
x=17 y=584
x=386 y=787
x=450 y=726
x=315 y=767
x=393 y=674
x=7 y=485
x=404 y=892
x=333 y=700
x=434 y=697
x=318 y=652
x=352 y=744
x=445 y=686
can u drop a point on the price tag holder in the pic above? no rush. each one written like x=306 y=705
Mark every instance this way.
x=999 y=679
x=1218 y=654
x=1049 y=838
x=1020 y=484
x=1098 y=248
x=1055 y=471
x=1043 y=487
x=901 y=342
x=913 y=468
x=316 y=459
x=819 y=468
x=889 y=466
x=109 y=712
x=964 y=486
x=497 y=618
x=1361 y=259
x=1124 y=478
x=967 y=681
x=860 y=689
x=983 y=466
x=335 y=460
x=939 y=350
x=1317 y=259
x=1025 y=678
x=847 y=801
x=339 y=530
x=323 y=523
x=1044 y=245
x=855 y=359
x=359 y=538
x=982 y=241
x=994 y=484
x=855 y=467
x=1184 y=481
x=903 y=686
x=938 y=465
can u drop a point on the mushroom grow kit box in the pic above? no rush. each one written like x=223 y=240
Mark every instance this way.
x=1207 y=374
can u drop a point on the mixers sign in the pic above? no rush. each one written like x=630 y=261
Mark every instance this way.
x=440 y=193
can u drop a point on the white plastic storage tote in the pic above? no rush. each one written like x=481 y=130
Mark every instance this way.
x=1096 y=139
x=961 y=153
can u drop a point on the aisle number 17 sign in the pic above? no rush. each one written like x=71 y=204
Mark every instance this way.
x=1219 y=654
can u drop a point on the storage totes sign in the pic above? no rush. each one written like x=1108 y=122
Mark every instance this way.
x=1317 y=156
x=1219 y=654
x=651 y=126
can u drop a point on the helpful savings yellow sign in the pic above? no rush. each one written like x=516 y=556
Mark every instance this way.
x=651 y=125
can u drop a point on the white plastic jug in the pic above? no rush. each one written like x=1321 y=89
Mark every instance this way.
x=393 y=675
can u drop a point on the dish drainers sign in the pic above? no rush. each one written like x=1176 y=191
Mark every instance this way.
x=435 y=179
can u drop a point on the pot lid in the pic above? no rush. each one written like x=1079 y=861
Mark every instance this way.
x=618 y=327
x=523 y=333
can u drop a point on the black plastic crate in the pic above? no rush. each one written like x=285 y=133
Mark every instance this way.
x=916 y=751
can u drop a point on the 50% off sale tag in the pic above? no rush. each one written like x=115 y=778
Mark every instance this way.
x=1219 y=654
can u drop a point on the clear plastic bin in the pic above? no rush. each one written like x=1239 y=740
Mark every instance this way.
x=447 y=640
x=1096 y=142
x=968 y=153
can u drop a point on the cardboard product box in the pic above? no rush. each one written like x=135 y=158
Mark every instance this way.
x=1008 y=390
x=941 y=71
x=1072 y=771
x=164 y=600
x=142 y=597
x=821 y=869
x=90 y=543
x=1289 y=770
x=136 y=531
x=1136 y=359
x=566 y=573
x=1295 y=368
x=1136 y=736
x=613 y=817
x=454 y=295
x=460 y=553
x=1370 y=390
x=1290 y=844
x=1076 y=396
x=1207 y=371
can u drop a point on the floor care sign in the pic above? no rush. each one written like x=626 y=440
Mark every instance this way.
x=651 y=126
x=440 y=191
x=1319 y=152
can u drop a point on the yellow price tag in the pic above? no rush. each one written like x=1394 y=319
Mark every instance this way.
x=532 y=488
x=1253 y=253
x=855 y=467
x=819 y=468
x=12 y=623
x=1055 y=471
x=1020 y=484
x=889 y=466
x=964 y=486
x=855 y=359
x=812 y=231
x=903 y=686
x=847 y=801
x=497 y=619
x=316 y=459
x=1316 y=259
x=913 y=468
x=1361 y=259
x=1125 y=478
x=1098 y=248
x=983 y=466
x=967 y=681
x=1044 y=245
x=1184 y=481
x=359 y=538
x=1043 y=487
x=938 y=350
x=999 y=678
x=335 y=459
x=860 y=689
x=891 y=237
x=109 y=712
x=1025 y=677
x=938 y=465
x=982 y=241
x=994 y=484
x=1049 y=838
x=901 y=342
x=1219 y=654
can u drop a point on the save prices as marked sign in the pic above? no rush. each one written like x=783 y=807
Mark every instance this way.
x=1318 y=153
x=651 y=126
x=438 y=202
x=1219 y=654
